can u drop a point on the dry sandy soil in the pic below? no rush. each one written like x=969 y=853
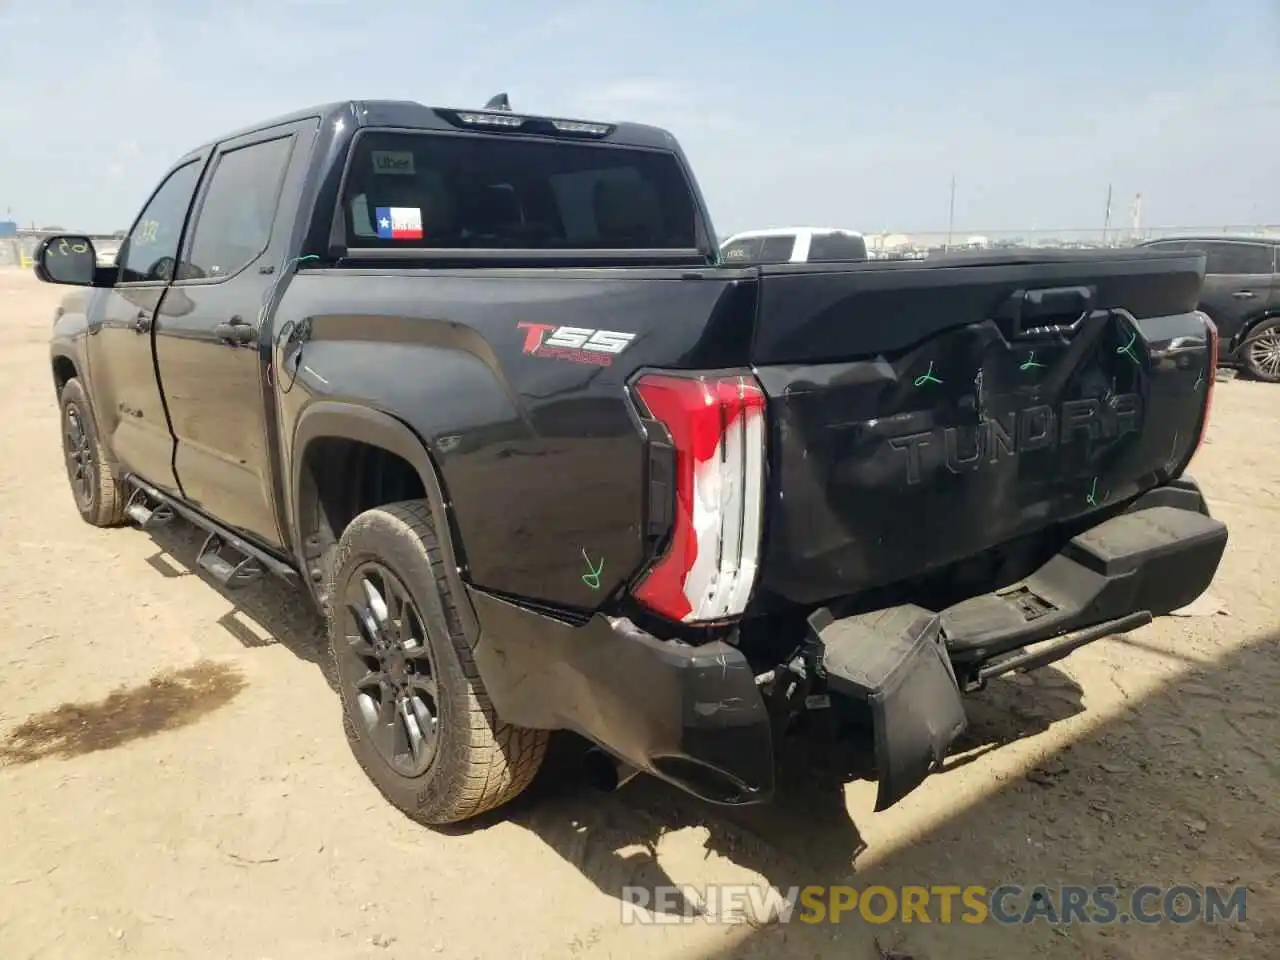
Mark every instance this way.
x=175 y=782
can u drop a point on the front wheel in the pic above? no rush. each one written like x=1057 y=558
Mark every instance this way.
x=93 y=480
x=417 y=715
x=1262 y=352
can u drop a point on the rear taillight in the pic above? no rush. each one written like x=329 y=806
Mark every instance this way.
x=717 y=429
x=1210 y=377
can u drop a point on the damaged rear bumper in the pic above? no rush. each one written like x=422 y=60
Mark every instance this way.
x=911 y=666
x=694 y=716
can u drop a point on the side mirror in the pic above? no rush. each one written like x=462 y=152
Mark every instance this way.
x=66 y=259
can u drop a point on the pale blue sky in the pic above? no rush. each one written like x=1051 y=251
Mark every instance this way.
x=841 y=113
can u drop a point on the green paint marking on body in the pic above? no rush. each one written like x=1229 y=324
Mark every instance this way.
x=928 y=377
x=1030 y=362
x=1127 y=349
x=592 y=577
x=1093 y=491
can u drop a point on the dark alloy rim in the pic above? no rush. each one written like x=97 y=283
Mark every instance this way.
x=75 y=444
x=1264 y=351
x=389 y=671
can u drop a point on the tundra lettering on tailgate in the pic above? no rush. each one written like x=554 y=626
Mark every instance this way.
x=965 y=449
x=579 y=344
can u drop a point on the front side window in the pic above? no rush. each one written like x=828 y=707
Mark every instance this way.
x=234 y=223
x=153 y=241
x=430 y=190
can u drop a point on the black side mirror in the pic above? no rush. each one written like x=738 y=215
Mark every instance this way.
x=66 y=259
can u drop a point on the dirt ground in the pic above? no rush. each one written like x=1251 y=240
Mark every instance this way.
x=174 y=781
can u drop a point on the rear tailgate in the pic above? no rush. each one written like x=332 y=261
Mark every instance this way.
x=924 y=412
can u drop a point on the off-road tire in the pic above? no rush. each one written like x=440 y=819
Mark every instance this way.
x=104 y=506
x=481 y=763
x=1266 y=331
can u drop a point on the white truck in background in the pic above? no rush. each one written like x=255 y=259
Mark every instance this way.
x=794 y=245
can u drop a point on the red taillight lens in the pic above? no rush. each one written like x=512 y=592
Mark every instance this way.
x=716 y=425
x=1210 y=378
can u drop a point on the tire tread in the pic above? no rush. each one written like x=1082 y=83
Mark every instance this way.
x=109 y=509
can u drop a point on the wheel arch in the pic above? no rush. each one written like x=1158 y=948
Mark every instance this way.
x=326 y=426
x=1247 y=328
x=64 y=368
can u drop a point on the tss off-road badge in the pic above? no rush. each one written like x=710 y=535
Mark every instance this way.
x=576 y=344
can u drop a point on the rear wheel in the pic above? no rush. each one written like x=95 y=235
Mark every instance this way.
x=93 y=480
x=416 y=712
x=1262 y=352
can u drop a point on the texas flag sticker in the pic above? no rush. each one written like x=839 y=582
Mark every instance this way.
x=399 y=223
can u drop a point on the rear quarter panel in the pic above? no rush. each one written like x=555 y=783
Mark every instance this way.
x=540 y=456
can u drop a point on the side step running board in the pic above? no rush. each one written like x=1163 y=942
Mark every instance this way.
x=147 y=516
x=149 y=508
x=232 y=573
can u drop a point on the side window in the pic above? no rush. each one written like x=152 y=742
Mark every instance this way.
x=234 y=223
x=1252 y=258
x=742 y=251
x=777 y=249
x=1239 y=258
x=153 y=242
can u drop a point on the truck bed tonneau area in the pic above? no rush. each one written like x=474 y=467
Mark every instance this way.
x=483 y=389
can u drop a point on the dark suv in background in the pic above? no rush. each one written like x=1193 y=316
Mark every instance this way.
x=1240 y=294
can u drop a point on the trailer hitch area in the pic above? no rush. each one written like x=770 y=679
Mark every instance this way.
x=896 y=663
x=799 y=686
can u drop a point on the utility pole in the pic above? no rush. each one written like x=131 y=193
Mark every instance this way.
x=1106 y=220
x=951 y=212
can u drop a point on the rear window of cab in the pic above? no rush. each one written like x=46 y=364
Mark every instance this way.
x=447 y=191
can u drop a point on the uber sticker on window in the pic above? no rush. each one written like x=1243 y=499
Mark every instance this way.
x=393 y=162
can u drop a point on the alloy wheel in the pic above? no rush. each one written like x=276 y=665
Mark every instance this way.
x=389 y=671
x=1264 y=352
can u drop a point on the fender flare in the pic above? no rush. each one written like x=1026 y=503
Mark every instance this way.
x=61 y=351
x=65 y=350
x=349 y=421
x=1247 y=329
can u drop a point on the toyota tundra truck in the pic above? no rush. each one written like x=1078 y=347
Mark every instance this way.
x=479 y=383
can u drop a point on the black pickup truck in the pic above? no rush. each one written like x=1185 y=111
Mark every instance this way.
x=479 y=383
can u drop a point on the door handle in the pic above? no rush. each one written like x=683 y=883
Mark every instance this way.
x=142 y=322
x=1244 y=294
x=235 y=332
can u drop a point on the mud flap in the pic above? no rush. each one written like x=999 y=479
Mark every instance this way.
x=895 y=661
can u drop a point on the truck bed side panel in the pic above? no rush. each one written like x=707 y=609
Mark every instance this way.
x=539 y=453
